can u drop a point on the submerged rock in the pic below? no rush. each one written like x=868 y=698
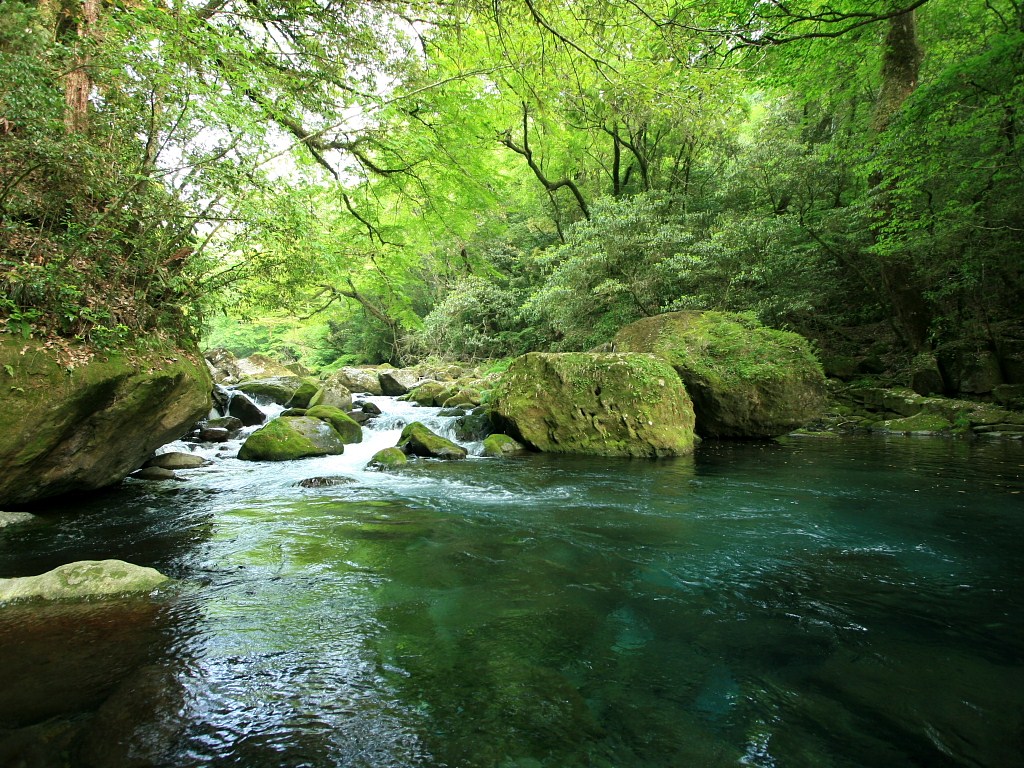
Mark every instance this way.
x=83 y=579
x=746 y=380
x=596 y=404
x=418 y=440
x=342 y=423
x=389 y=458
x=323 y=482
x=68 y=430
x=286 y=439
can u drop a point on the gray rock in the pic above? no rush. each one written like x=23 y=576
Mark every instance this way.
x=245 y=410
x=15 y=518
x=396 y=382
x=176 y=460
x=154 y=473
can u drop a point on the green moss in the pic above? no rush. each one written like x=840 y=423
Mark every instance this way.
x=389 y=458
x=922 y=423
x=417 y=439
x=343 y=424
x=286 y=439
x=746 y=380
x=596 y=404
x=498 y=446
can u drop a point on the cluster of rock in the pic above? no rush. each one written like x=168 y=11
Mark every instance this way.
x=905 y=412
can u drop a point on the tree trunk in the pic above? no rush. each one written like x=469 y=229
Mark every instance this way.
x=901 y=63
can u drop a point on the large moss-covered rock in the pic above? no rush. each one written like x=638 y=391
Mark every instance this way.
x=83 y=579
x=284 y=390
x=81 y=424
x=746 y=380
x=358 y=380
x=290 y=438
x=598 y=404
x=418 y=440
x=343 y=424
x=430 y=393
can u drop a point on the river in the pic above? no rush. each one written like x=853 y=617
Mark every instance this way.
x=810 y=602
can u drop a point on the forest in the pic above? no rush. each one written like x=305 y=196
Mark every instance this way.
x=377 y=181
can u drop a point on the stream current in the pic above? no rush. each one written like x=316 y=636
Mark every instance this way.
x=811 y=602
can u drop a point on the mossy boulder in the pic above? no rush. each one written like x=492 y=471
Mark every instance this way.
x=343 y=424
x=389 y=458
x=81 y=580
x=498 y=446
x=290 y=391
x=396 y=382
x=602 y=404
x=286 y=439
x=76 y=420
x=463 y=398
x=746 y=380
x=418 y=440
x=333 y=392
x=430 y=393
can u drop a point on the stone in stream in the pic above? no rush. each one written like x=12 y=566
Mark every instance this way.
x=245 y=410
x=343 y=424
x=397 y=382
x=72 y=427
x=323 y=482
x=214 y=434
x=333 y=392
x=746 y=380
x=286 y=439
x=176 y=460
x=418 y=440
x=389 y=458
x=595 y=404
x=289 y=391
x=83 y=579
x=430 y=393
x=499 y=446
x=154 y=473
x=358 y=380
x=370 y=408
x=15 y=518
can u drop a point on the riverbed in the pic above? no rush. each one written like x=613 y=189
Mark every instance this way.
x=854 y=601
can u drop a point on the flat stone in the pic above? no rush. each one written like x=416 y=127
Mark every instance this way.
x=83 y=579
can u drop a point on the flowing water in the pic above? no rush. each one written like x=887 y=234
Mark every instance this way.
x=815 y=602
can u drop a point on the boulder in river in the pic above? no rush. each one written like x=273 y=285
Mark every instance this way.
x=333 y=392
x=154 y=473
x=600 y=404
x=241 y=407
x=746 y=380
x=290 y=391
x=286 y=439
x=389 y=458
x=397 y=382
x=67 y=428
x=498 y=446
x=83 y=579
x=176 y=460
x=357 y=380
x=430 y=393
x=343 y=424
x=418 y=440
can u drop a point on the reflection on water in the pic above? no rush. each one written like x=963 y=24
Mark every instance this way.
x=852 y=602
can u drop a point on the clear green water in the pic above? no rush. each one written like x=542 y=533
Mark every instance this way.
x=848 y=602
